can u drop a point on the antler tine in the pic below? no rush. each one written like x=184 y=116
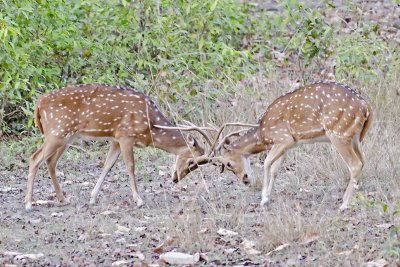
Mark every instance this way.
x=221 y=129
x=189 y=128
x=226 y=137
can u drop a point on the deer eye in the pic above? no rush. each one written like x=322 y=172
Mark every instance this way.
x=229 y=165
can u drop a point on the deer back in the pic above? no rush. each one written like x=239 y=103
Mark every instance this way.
x=313 y=111
x=98 y=111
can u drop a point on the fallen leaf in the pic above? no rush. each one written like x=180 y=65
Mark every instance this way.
x=384 y=225
x=104 y=235
x=347 y=252
x=8 y=189
x=121 y=262
x=161 y=172
x=248 y=247
x=29 y=256
x=278 y=248
x=226 y=232
x=122 y=229
x=169 y=241
x=120 y=240
x=140 y=229
x=377 y=263
x=309 y=237
x=82 y=238
x=180 y=258
x=43 y=202
x=139 y=255
x=86 y=184
x=203 y=230
x=230 y=250
x=107 y=212
x=11 y=253
x=36 y=221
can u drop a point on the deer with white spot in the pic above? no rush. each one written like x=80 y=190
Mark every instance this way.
x=320 y=112
x=122 y=115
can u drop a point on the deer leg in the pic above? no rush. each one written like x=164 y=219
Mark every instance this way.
x=357 y=151
x=271 y=164
x=127 y=153
x=42 y=154
x=51 y=163
x=112 y=157
x=353 y=162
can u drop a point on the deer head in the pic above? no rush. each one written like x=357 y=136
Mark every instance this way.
x=186 y=160
x=231 y=158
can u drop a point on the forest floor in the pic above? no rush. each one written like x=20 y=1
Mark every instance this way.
x=302 y=225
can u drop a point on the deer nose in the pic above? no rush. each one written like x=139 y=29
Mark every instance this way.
x=175 y=178
x=246 y=179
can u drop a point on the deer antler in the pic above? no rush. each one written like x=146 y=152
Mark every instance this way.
x=227 y=136
x=221 y=129
x=189 y=128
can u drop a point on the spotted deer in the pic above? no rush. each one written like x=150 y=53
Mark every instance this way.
x=320 y=112
x=122 y=115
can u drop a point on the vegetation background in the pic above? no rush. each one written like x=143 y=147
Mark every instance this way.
x=212 y=61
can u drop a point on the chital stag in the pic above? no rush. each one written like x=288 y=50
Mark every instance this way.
x=126 y=117
x=320 y=112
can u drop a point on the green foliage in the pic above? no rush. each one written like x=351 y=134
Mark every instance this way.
x=393 y=210
x=180 y=52
x=168 y=48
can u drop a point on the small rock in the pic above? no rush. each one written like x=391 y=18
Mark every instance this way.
x=180 y=258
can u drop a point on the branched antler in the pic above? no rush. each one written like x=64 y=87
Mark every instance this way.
x=221 y=129
x=189 y=128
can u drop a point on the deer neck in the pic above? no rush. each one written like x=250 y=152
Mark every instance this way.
x=171 y=141
x=249 y=143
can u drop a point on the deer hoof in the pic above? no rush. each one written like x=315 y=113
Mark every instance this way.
x=139 y=202
x=92 y=201
x=65 y=201
x=264 y=202
x=344 y=207
x=28 y=206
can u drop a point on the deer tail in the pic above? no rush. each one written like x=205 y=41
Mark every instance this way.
x=37 y=119
x=367 y=125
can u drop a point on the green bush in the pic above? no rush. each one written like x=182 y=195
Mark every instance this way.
x=181 y=52
x=167 y=48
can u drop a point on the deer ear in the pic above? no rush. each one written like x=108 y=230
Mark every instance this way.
x=190 y=140
x=227 y=143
